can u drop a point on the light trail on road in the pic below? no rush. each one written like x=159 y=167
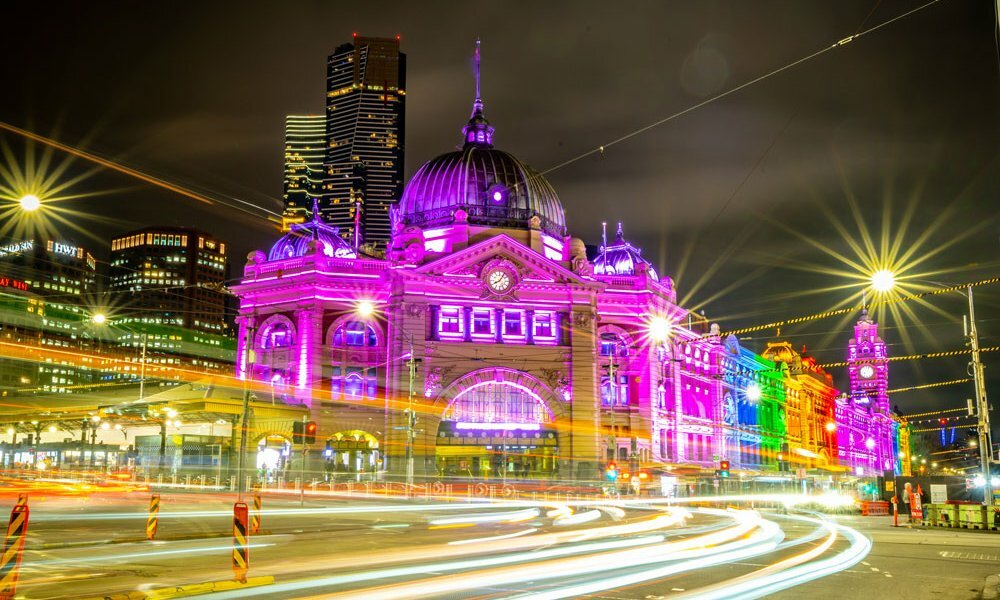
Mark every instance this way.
x=501 y=548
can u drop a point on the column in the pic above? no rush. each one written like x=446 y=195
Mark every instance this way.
x=529 y=324
x=499 y=325
x=584 y=439
x=245 y=323
x=467 y=323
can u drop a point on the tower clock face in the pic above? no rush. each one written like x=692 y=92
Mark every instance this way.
x=866 y=372
x=499 y=281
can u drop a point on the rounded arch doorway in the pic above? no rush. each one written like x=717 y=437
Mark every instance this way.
x=273 y=455
x=497 y=429
x=354 y=452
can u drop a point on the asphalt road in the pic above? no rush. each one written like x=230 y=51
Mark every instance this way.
x=94 y=546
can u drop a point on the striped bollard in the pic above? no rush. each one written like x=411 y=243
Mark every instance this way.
x=153 y=522
x=22 y=499
x=13 y=549
x=241 y=542
x=255 y=518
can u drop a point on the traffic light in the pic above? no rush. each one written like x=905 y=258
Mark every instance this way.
x=611 y=472
x=298 y=429
x=724 y=469
x=310 y=433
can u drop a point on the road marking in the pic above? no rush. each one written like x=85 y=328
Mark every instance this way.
x=968 y=555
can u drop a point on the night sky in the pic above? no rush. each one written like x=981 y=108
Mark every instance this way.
x=746 y=202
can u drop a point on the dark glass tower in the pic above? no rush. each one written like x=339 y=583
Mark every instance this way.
x=365 y=108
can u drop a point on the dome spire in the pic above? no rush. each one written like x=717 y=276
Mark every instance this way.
x=478 y=132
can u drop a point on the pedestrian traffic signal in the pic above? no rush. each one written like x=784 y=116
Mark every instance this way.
x=724 y=468
x=611 y=472
x=310 y=433
x=298 y=432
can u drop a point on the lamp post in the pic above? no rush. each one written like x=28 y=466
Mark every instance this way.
x=412 y=367
x=885 y=283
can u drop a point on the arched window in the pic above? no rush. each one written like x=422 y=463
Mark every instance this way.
x=611 y=344
x=355 y=333
x=276 y=334
x=497 y=402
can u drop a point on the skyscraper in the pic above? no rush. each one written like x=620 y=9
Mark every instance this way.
x=170 y=276
x=365 y=107
x=305 y=151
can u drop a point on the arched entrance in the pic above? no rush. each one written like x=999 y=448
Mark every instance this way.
x=497 y=429
x=273 y=455
x=354 y=452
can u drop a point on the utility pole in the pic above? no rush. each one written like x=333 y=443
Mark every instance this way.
x=985 y=448
x=613 y=381
x=245 y=415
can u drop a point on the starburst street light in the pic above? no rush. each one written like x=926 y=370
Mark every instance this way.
x=883 y=281
x=365 y=309
x=99 y=319
x=659 y=329
x=29 y=202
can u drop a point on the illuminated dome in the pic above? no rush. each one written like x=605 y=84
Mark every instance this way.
x=299 y=240
x=492 y=187
x=621 y=258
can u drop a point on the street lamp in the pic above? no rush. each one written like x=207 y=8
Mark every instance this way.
x=659 y=329
x=365 y=309
x=976 y=366
x=883 y=280
x=29 y=203
x=831 y=426
x=753 y=392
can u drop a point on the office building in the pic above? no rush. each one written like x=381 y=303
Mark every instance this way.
x=169 y=276
x=305 y=151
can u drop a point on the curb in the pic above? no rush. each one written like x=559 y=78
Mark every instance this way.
x=188 y=590
x=991 y=589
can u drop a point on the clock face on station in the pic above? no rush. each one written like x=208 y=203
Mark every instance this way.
x=866 y=372
x=499 y=281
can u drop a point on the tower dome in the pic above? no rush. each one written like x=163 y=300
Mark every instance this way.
x=493 y=188
x=297 y=242
x=621 y=258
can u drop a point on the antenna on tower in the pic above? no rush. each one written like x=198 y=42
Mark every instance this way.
x=604 y=234
x=478 y=95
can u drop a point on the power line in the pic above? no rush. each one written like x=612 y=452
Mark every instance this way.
x=843 y=42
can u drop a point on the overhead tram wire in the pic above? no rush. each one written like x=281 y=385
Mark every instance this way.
x=843 y=42
x=272 y=217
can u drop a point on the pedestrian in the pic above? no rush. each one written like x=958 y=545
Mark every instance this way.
x=907 y=494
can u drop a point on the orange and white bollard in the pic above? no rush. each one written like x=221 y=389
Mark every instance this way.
x=255 y=517
x=13 y=550
x=153 y=522
x=241 y=542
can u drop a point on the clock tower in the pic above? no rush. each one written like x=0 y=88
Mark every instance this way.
x=867 y=365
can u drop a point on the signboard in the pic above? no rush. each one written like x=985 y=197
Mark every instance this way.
x=890 y=485
x=16 y=284
x=939 y=493
x=16 y=248
x=668 y=486
x=916 y=508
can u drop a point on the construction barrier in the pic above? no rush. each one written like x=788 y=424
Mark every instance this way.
x=22 y=499
x=13 y=549
x=874 y=509
x=255 y=517
x=153 y=522
x=241 y=542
